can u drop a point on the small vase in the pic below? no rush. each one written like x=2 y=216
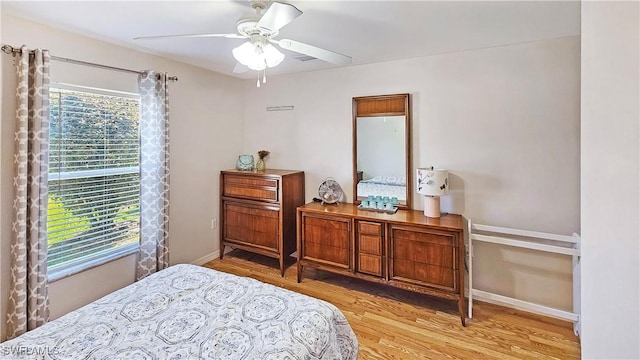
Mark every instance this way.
x=260 y=165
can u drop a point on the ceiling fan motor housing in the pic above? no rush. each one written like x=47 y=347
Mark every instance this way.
x=248 y=26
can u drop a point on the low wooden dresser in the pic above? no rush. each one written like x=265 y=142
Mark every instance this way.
x=406 y=250
x=258 y=211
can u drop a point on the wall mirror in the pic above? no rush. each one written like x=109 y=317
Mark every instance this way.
x=382 y=148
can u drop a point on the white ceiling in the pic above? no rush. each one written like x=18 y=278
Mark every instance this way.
x=368 y=31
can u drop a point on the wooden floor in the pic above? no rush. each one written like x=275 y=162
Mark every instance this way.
x=395 y=324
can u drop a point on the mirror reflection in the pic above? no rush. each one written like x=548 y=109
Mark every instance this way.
x=381 y=157
x=381 y=148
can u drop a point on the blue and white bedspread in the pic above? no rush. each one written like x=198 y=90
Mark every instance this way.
x=391 y=186
x=365 y=189
x=191 y=312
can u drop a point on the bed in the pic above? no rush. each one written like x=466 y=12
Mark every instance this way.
x=390 y=186
x=192 y=312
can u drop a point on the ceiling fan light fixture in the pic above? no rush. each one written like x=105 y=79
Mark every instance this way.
x=244 y=53
x=272 y=56
x=257 y=55
x=247 y=54
x=257 y=65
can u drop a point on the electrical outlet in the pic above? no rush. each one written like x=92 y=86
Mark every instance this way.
x=214 y=223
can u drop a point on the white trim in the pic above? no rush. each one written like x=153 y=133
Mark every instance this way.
x=205 y=259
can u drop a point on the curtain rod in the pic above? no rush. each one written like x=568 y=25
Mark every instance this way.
x=8 y=49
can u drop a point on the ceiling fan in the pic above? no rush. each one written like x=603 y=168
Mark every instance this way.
x=258 y=52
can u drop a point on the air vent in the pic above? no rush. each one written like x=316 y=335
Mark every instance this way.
x=304 y=57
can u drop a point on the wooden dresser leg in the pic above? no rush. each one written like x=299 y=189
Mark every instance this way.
x=299 y=272
x=221 y=251
x=281 y=265
x=463 y=317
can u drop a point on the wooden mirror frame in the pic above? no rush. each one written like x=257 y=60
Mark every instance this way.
x=383 y=105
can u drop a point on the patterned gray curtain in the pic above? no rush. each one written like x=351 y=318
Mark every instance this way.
x=154 y=174
x=28 y=300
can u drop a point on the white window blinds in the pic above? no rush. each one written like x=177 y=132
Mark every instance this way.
x=94 y=182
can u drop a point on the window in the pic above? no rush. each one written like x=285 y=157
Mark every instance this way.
x=94 y=178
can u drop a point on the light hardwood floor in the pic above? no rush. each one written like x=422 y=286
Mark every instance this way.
x=395 y=324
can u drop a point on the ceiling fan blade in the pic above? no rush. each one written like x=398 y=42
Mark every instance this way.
x=316 y=52
x=239 y=68
x=229 y=36
x=277 y=16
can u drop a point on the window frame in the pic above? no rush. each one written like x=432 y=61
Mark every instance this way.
x=74 y=266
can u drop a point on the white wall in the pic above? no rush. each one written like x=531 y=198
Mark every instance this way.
x=206 y=123
x=610 y=135
x=504 y=121
x=80 y=289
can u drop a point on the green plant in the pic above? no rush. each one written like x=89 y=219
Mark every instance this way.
x=63 y=223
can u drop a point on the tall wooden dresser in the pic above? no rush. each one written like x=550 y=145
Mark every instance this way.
x=258 y=211
x=406 y=250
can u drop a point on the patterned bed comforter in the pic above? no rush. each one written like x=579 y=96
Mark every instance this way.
x=191 y=312
x=365 y=189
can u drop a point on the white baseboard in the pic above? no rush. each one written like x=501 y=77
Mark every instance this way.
x=205 y=259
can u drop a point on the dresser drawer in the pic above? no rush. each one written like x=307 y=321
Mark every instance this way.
x=370 y=244
x=367 y=227
x=252 y=225
x=423 y=274
x=370 y=264
x=247 y=187
x=425 y=253
x=425 y=236
x=326 y=240
x=250 y=181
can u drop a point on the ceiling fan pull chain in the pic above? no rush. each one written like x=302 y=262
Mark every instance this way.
x=264 y=76
x=258 y=82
